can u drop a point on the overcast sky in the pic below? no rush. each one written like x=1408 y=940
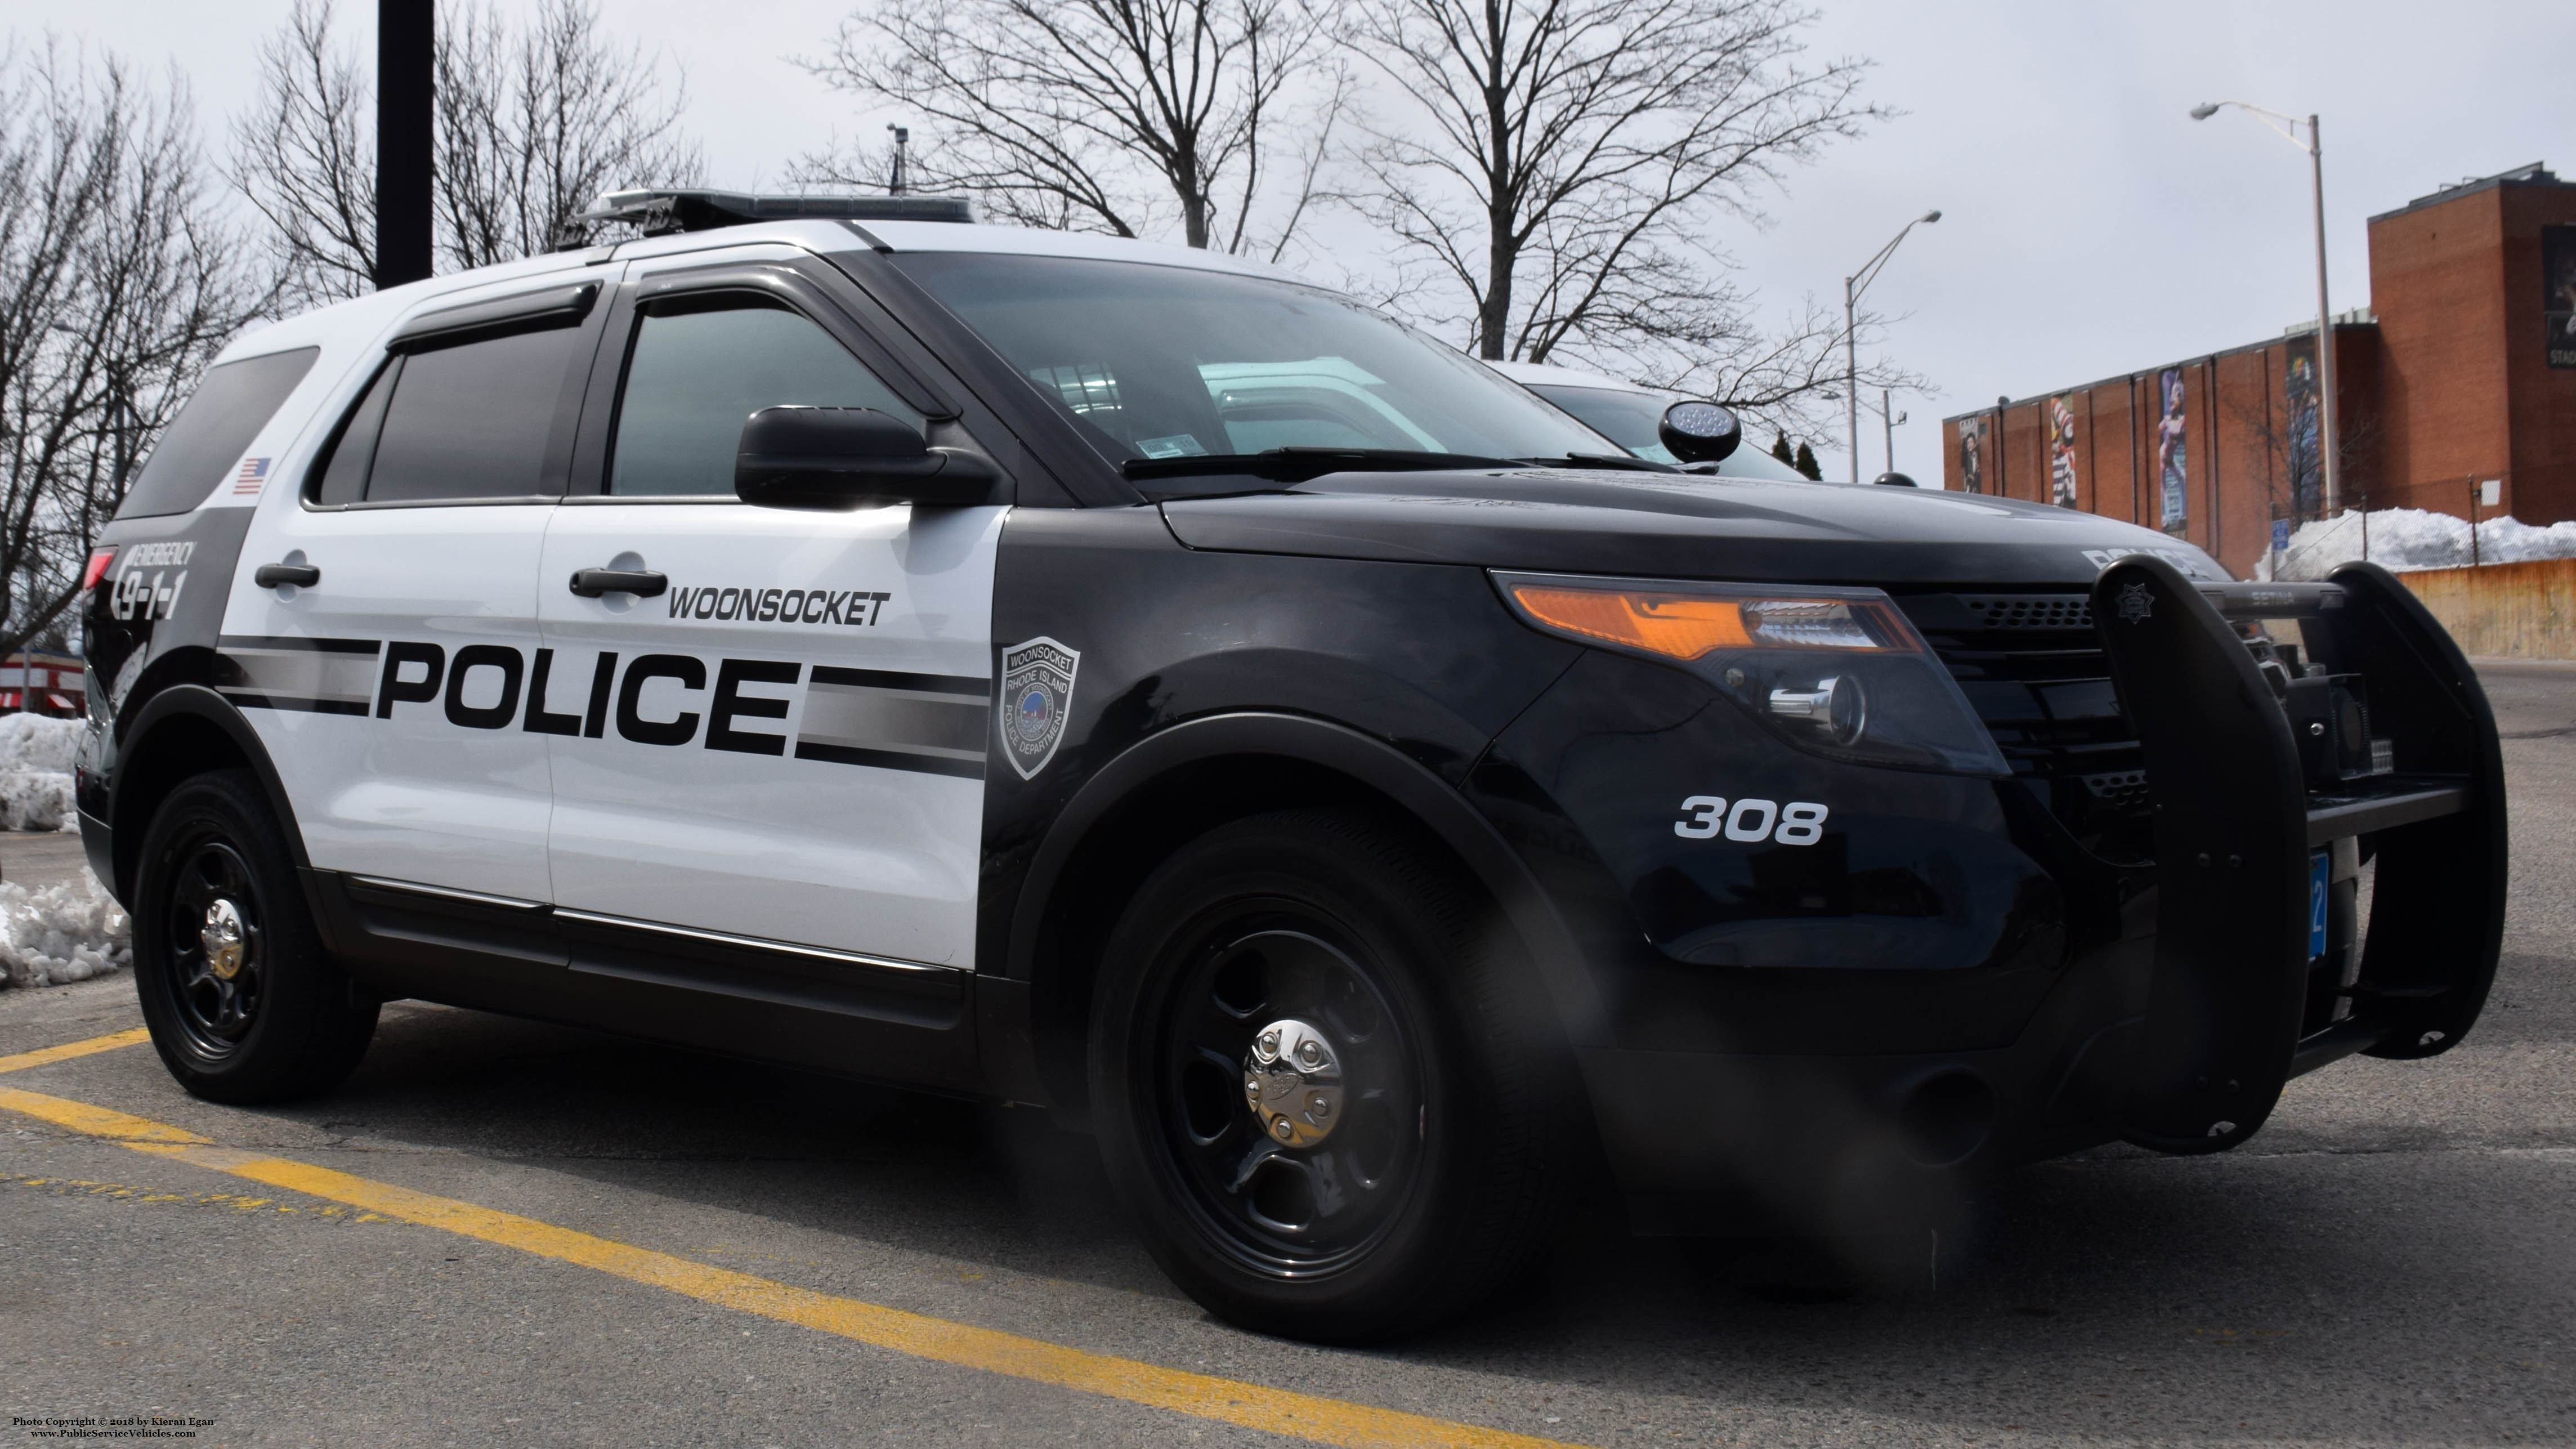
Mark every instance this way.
x=2089 y=227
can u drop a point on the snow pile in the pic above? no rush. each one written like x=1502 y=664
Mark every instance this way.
x=36 y=800
x=63 y=933
x=35 y=772
x=34 y=742
x=2412 y=538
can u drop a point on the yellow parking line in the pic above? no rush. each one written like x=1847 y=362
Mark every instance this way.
x=95 y=1121
x=69 y=1050
x=1276 y=1411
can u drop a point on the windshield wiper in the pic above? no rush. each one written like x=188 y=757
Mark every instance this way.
x=1298 y=465
x=1626 y=462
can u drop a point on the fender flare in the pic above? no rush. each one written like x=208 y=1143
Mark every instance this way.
x=1431 y=801
x=199 y=702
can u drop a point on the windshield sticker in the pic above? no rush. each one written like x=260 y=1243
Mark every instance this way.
x=1037 y=692
x=1178 y=445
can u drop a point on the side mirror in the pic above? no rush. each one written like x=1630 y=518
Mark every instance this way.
x=1699 y=432
x=843 y=458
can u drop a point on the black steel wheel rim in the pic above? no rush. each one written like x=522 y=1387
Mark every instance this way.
x=215 y=1009
x=1283 y=1210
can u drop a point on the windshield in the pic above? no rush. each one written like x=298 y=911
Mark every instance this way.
x=1629 y=419
x=1159 y=362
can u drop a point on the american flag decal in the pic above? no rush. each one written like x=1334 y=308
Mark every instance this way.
x=254 y=472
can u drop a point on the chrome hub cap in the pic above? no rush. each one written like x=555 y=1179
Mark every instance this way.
x=1293 y=1083
x=224 y=938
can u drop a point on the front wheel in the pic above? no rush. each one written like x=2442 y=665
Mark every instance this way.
x=243 y=1002
x=1323 y=1082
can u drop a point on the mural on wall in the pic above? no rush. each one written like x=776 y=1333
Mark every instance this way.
x=2558 y=304
x=1972 y=454
x=2299 y=390
x=2061 y=452
x=2173 y=470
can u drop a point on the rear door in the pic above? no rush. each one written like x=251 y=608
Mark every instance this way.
x=392 y=688
x=785 y=744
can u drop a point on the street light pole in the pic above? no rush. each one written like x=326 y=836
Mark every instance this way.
x=2327 y=430
x=2288 y=127
x=1851 y=379
x=1853 y=285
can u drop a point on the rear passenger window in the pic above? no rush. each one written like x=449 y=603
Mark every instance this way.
x=202 y=444
x=701 y=366
x=469 y=421
x=344 y=475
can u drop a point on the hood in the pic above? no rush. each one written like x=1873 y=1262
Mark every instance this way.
x=1656 y=525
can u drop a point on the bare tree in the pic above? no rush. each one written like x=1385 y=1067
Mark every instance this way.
x=117 y=286
x=1558 y=167
x=2284 y=436
x=306 y=161
x=1106 y=115
x=529 y=129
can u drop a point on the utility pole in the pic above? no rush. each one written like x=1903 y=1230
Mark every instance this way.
x=406 y=98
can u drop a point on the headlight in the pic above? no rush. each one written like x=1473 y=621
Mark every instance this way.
x=1840 y=671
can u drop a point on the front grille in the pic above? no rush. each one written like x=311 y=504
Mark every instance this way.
x=2033 y=669
x=2029 y=611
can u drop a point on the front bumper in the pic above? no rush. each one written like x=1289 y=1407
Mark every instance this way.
x=2165 y=1003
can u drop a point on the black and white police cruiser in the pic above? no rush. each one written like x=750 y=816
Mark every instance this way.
x=1130 y=680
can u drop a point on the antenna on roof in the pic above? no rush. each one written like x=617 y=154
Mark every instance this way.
x=902 y=134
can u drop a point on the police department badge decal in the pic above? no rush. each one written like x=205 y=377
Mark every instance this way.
x=1037 y=692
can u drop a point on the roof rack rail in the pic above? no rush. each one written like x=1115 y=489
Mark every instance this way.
x=659 y=211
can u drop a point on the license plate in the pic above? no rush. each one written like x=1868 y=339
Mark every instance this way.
x=2320 y=882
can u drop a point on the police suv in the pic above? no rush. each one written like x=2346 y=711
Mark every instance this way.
x=1129 y=680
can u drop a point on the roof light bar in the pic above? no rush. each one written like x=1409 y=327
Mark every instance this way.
x=659 y=211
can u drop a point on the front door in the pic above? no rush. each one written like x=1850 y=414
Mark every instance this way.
x=780 y=733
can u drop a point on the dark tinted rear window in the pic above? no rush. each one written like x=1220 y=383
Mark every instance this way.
x=472 y=421
x=202 y=444
x=344 y=475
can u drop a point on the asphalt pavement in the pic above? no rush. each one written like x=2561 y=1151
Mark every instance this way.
x=551 y=1231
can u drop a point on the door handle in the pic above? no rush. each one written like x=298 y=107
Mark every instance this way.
x=275 y=575
x=591 y=583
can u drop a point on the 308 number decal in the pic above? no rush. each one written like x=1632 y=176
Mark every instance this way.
x=1705 y=817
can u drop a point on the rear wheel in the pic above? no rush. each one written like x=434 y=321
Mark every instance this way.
x=243 y=1002
x=1322 y=1082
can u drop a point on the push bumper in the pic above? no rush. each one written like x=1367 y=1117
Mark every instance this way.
x=2255 y=829
x=2180 y=1033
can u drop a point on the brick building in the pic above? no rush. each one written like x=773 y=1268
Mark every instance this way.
x=2455 y=391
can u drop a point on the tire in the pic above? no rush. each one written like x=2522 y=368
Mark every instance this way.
x=284 y=1021
x=1431 y=1179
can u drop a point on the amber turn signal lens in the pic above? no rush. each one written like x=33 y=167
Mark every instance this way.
x=1674 y=625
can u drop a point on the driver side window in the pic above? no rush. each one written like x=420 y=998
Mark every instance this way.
x=701 y=366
